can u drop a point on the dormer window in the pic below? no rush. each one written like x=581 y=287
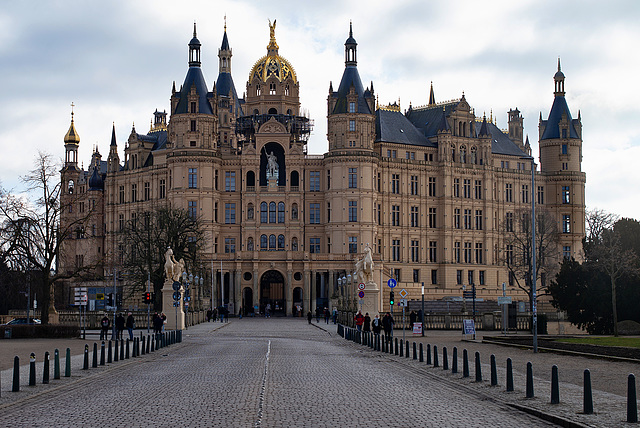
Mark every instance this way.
x=193 y=106
x=352 y=107
x=258 y=90
x=71 y=187
x=286 y=90
x=272 y=88
x=564 y=133
x=565 y=148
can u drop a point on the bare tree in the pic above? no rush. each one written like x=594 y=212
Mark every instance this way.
x=517 y=253
x=598 y=220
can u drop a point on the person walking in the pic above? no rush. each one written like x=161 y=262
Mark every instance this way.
x=367 y=322
x=131 y=324
x=326 y=315
x=309 y=316
x=359 y=319
x=376 y=324
x=104 y=324
x=412 y=319
x=119 y=326
x=387 y=325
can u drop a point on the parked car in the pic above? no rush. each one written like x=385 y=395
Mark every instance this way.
x=18 y=321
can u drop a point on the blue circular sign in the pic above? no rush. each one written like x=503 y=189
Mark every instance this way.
x=392 y=283
x=361 y=294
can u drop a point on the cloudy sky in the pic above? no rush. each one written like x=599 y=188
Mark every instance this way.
x=116 y=62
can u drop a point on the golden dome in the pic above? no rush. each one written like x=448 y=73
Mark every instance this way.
x=72 y=135
x=272 y=64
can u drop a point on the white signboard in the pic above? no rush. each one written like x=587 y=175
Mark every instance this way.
x=504 y=300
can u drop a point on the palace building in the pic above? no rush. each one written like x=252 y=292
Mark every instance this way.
x=430 y=190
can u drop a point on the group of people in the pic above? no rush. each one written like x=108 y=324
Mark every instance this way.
x=365 y=323
x=159 y=319
x=120 y=323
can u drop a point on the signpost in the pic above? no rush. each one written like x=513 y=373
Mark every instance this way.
x=468 y=328
x=81 y=299
x=392 y=283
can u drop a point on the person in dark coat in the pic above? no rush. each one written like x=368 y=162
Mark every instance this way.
x=119 y=326
x=367 y=322
x=387 y=325
x=376 y=324
x=131 y=324
x=412 y=319
x=157 y=323
x=309 y=316
x=104 y=325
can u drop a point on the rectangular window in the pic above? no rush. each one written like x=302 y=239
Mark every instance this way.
x=481 y=277
x=379 y=214
x=467 y=219
x=432 y=186
x=509 y=222
x=414 y=185
x=162 y=191
x=314 y=213
x=121 y=191
x=395 y=183
x=414 y=217
x=396 y=274
x=353 y=244
x=467 y=252
x=353 y=178
x=147 y=191
x=456 y=218
x=565 y=148
x=229 y=213
x=466 y=188
x=456 y=252
x=415 y=251
x=459 y=277
x=395 y=250
x=121 y=222
x=193 y=209
x=508 y=192
x=565 y=194
x=134 y=192
x=193 y=126
x=229 y=245
x=193 y=178
x=478 y=189
x=470 y=277
x=379 y=182
x=329 y=212
x=540 y=195
x=456 y=187
x=416 y=275
x=566 y=251
x=314 y=181
x=433 y=251
x=328 y=179
x=353 y=211
x=314 y=245
x=478 y=219
x=434 y=276
x=525 y=194
x=509 y=255
x=395 y=215
x=352 y=107
x=566 y=223
x=432 y=218
x=352 y=125
x=230 y=181
x=479 y=258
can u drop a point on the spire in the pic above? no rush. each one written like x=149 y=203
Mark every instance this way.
x=225 y=41
x=224 y=53
x=484 y=129
x=558 y=79
x=444 y=123
x=350 y=49
x=72 y=136
x=432 y=98
x=194 y=49
x=272 y=47
x=113 y=135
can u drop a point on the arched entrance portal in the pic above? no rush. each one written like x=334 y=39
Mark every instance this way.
x=247 y=301
x=298 y=307
x=272 y=292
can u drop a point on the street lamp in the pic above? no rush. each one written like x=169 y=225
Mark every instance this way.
x=534 y=305
x=350 y=291
x=422 y=316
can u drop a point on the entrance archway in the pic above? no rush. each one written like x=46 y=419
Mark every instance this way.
x=297 y=302
x=272 y=292
x=247 y=301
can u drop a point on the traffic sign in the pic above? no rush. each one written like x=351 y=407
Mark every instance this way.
x=361 y=286
x=176 y=295
x=504 y=300
x=176 y=286
x=392 y=283
x=361 y=294
x=402 y=302
x=403 y=293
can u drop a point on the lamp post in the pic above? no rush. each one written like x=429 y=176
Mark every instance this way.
x=422 y=316
x=534 y=305
x=350 y=291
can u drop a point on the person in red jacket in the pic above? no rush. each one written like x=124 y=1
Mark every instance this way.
x=359 y=319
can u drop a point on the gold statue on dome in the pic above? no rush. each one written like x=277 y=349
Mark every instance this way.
x=272 y=29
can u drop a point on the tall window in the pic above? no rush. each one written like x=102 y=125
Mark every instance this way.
x=229 y=213
x=353 y=178
x=478 y=219
x=414 y=217
x=230 y=181
x=509 y=254
x=415 y=251
x=478 y=189
x=134 y=192
x=459 y=277
x=147 y=191
x=508 y=192
x=229 y=245
x=395 y=215
x=314 y=181
x=352 y=107
x=540 y=195
x=565 y=195
x=353 y=211
x=434 y=276
x=192 y=209
x=414 y=185
x=121 y=192
x=280 y=212
x=470 y=277
x=395 y=250
x=467 y=219
x=467 y=252
x=314 y=213
x=193 y=178
x=481 y=277
x=416 y=275
x=272 y=242
x=121 y=222
x=525 y=194
x=432 y=217
x=264 y=242
x=509 y=222
x=314 y=245
x=566 y=251
x=352 y=125
x=467 y=188
x=264 y=213
x=479 y=258
x=456 y=187
x=456 y=218
x=566 y=223
x=162 y=191
x=193 y=126
x=433 y=251
x=456 y=252
x=272 y=212
x=395 y=183
x=280 y=242
x=432 y=186
x=353 y=244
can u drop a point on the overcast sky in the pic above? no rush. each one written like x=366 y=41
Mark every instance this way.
x=116 y=62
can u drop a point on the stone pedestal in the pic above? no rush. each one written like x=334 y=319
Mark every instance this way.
x=169 y=310
x=272 y=181
x=371 y=301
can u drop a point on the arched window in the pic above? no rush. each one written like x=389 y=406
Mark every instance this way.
x=453 y=153
x=461 y=129
x=280 y=242
x=280 y=212
x=250 y=244
x=263 y=213
x=289 y=112
x=294 y=244
x=273 y=111
x=474 y=155
x=272 y=242
x=71 y=187
x=263 y=242
x=251 y=179
x=294 y=211
x=295 y=179
x=272 y=88
x=286 y=92
x=258 y=90
x=463 y=154
x=272 y=212
x=250 y=211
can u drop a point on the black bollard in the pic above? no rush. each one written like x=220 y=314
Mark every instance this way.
x=465 y=363
x=109 y=354
x=509 y=375
x=421 y=358
x=121 y=349
x=142 y=348
x=454 y=361
x=135 y=347
x=115 y=351
x=587 y=405
x=478 y=368
x=67 y=363
x=529 y=380
x=415 y=351
x=396 y=345
x=56 y=364
x=86 y=357
x=555 y=385
x=401 y=349
x=94 y=362
x=494 y=371
x=632 y=404
x=406 y=352
x=153 y=343
x=148 y=340
x=435 y=356
x=428 y=354
x=16 y=374
x=102 y=353
x=32 y=369
x=126 y=352
x=445 y=359
x=45 y=369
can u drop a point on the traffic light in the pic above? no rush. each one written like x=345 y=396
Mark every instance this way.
x=391 y=299
x=110 y=299
x=146 y=297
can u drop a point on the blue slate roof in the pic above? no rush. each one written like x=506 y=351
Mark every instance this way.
x=393 y=126
x=559 y=108
x=225 y=42
x=500 y=142
x=428 y=120
x=350 y=78
x=225 y=87
x=194 y=78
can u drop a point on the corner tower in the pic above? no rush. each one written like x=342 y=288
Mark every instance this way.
x=229 y=105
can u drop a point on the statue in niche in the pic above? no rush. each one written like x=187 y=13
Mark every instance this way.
x=272 y=164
